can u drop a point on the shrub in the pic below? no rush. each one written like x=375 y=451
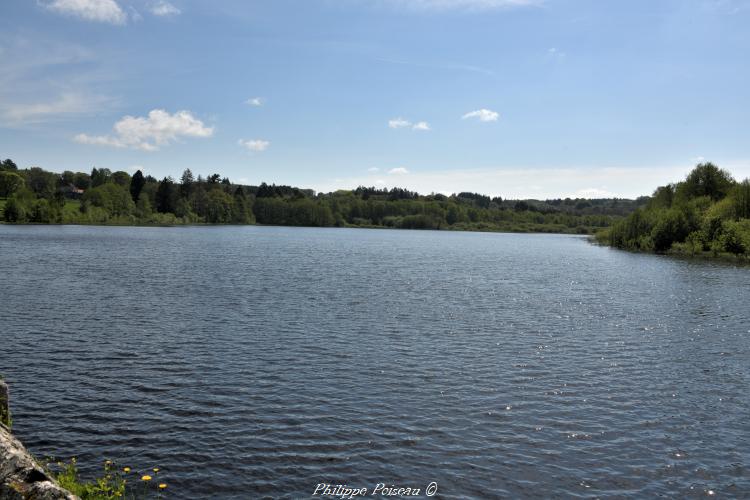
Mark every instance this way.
x=732 y=239
x=670 y=227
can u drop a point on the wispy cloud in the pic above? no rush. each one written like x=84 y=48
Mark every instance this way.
x=484 y=115
x=254 y=101
x=469 y=5
x=398 y=171
x=255 y=145
x=556 y=54
x=438 y=65
x=163 y=8
x=373 y=169
x=593 y=193
x=46 y=80
x=103 y=11
x=135 y=16
x=66 y=105
x=149 y=133
x=399 y=123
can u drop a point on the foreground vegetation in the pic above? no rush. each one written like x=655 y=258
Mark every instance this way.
x=114 y=483
x=706 y=214
x=103 y=197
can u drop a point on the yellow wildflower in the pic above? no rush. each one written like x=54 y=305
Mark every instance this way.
x=156 y=469
x=162 y=486
x=126 y=469
x=146 y=478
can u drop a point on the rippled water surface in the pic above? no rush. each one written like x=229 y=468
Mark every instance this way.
x=259 y=361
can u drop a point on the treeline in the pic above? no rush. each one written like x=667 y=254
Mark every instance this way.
x=708 y=212
x=34 y=195
x=103 y=197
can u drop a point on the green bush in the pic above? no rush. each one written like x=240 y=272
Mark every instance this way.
x=733 y=238
x=671 y=226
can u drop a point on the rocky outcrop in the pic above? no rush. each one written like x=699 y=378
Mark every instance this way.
x=21 y=477
x=4 y=404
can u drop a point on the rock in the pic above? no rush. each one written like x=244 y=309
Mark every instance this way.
x=21 y=477
x=4 y=406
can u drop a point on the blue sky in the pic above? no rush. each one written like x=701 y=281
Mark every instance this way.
x=517 y=98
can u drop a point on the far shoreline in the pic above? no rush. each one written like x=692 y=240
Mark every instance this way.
x=589 y=235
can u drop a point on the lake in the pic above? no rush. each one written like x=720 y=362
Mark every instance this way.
x=262 y=361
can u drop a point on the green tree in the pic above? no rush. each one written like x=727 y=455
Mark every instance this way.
x=113 y=198
x=182 y=209
x=706 y=179
x=100 y=176
x=14 y=212
x=143 y=208
x=82 y=180
x=121 y=178
x=19 y=207
x=670 y=227
x=732 y=239
x=241 y=210
x=663 y=197
x=136 y=185
x=166 y=196
x=8 y=164
x=219 y=207
x=741 y=200
x=40 y=181
x=186 y=183
x=10 y=182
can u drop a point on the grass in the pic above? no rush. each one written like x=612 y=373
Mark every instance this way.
x=111 y=486
x=115 y=483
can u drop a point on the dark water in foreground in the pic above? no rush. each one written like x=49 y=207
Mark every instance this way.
x=252 y=361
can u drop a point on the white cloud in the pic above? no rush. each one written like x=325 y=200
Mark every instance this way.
x=398 y=171
x=555 y=54
x=398 y=123
x=164 y=8
x=256 y=145
x=593 y=193
x=470 y=5
x=103 y=11
x=484 y=115
x=148 y=134
x=68 y=104
x=403 y=123
x=254 y=101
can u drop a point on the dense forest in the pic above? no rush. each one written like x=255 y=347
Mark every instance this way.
x=707 y=213
x=34 y=195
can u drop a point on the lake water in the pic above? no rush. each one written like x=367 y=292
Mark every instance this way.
x=261 y=361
